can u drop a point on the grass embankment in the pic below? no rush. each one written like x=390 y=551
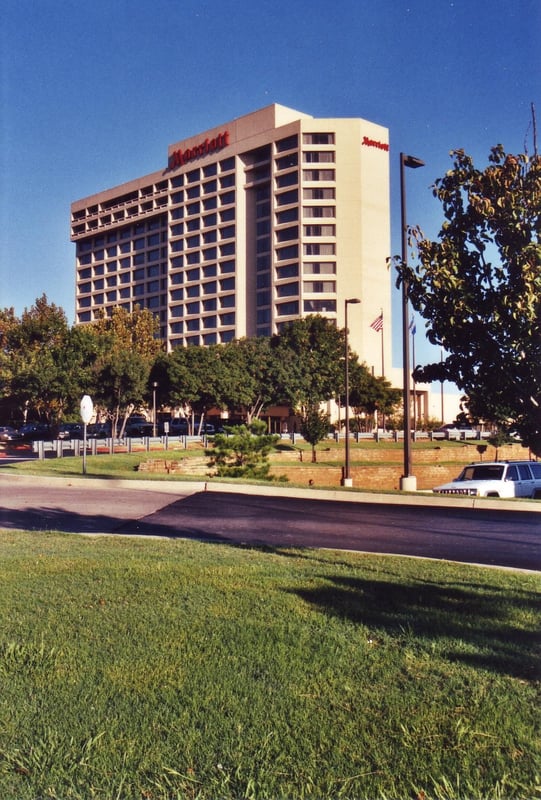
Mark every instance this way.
x=173 y=669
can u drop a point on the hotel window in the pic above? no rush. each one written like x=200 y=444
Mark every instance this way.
x=125 y=293
x=290 y=215
x=227 y=249
x=85 y=259
x=263 y=244
x=210 y=219
x=178 y=180
x=192 y=208
x=192 y=341
x=192 y=291
x=288 y=309
x=111 y=266
x=289 y=179
x=192 y=325
x=210 y=254
x=287 y=289
x=228 y=232
x=210 y=271
x=320 y=268
x=176 y=294
x=318 y=174
x=263 y=298
x=177 y=311
x=111 y=280
x=287 y=271
x=318 y=138
x=153 y=286
x=210 y=339
x=193 y=241
x=125 y=277
x=193 y=224
x=209 y=187
x=324 y=249
x=228 y=301
x=177 y=262
x=227 y=215
x=193 y=274
x=285 y=253
x=263 y=228
x=287 y=234
x=319 y=306
x=85 y=273
x=193 y=176
x=210 y=170
x=319 y=212
x=263 y=261
x=210 y=287
x=111 y=251
x=318 y=157
x=177 y=198
x=139 y=290
x=153 y=255
x=287 y=144
x=263 y=316
x=263 y=280
x=177 y=230
x=320 y=287
x=210 y=322
x=98 y=269
x=319 y=193
x=227 y=198
x=210 y=203
x=193 y=258
x=138 y=259
x=84 y=288
x=210 y=305
x=226 y=284
x=284 y=199
x=176 y=327
x=153 y=302
x=177 y=246
x=153 y=240
x=227 y=267
x=192 y=308
x=319 y=230
x=98 y=284
x=227 y=164
x=227 y=180
x=284 y=162
x=227 y=319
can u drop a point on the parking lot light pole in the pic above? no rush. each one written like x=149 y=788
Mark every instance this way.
x=408 y=482
x=154 y=387
x=347 y=479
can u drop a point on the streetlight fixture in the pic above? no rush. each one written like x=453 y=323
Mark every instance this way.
x=154 y=387
x=408 y=482
x=347 y=479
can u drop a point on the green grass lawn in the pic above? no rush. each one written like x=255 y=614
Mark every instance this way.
x=168 y=669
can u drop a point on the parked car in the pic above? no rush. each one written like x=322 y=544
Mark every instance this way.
x=179 y=426
x=98 y=430
x=35 y=431
x=137 y=425
x=496 y=479
x=9 y=434
x=70 y=430
x=452 y=431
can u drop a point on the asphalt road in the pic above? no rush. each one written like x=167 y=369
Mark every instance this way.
x=484 y=536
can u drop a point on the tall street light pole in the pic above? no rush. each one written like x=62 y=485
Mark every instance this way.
x=408 y=481
x=154 y=387
x=347 y=479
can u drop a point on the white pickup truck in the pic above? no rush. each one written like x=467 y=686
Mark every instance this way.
x=497 y=479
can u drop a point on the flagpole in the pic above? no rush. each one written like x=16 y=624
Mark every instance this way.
x=382 y=347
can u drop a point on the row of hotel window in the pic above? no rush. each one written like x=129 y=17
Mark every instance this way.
x=198 y=273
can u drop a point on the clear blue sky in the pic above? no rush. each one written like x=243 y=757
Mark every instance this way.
x=92 y=93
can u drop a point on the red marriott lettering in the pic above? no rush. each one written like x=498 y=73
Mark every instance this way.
x=181 y=157
x=374 y=143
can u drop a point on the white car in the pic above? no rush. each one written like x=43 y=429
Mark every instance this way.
x=497 y=479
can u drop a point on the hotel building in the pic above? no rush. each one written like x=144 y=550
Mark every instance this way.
x=247 y=226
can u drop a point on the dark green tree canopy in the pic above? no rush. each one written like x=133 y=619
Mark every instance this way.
x=478 y=286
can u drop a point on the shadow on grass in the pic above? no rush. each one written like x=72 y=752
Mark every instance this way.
x=474 y=622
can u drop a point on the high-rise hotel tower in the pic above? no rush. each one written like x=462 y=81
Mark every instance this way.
x=262 y=220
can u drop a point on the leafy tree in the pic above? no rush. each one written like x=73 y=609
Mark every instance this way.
x=369 y=394
x=243 y=451
x=196 y=379
x=308 y=357
x=314 y=428
x=36 y=347
x=479 y=288
x=248 y=376
x=127 y=349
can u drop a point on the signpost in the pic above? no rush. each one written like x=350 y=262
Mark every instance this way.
x=87 y=411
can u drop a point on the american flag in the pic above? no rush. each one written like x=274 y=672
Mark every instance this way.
x=377 y=325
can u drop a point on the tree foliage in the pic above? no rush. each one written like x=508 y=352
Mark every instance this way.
x=243 y=451
x=314 y=428
x=478 y=286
